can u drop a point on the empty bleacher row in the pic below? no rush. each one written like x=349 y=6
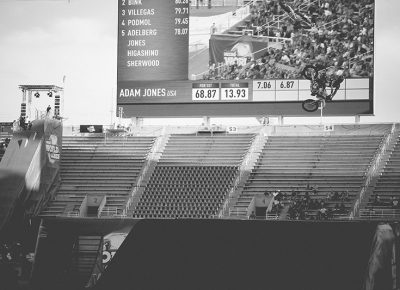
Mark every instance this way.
x=327 y=163
x=206 y=149
x=185 y=191
x=94 y=166
x=193 y=176
x=384 y=202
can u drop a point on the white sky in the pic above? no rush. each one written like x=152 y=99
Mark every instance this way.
x=41 y=41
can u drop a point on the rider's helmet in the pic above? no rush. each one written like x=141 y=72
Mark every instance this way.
x=337 y=78
x=339 y=72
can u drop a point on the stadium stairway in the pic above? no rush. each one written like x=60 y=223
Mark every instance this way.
x=235 y=196
x=147 y=171
x=385 y=185
x=86 y=254
x=99 y=168
x=329 y=163
x=193 y=176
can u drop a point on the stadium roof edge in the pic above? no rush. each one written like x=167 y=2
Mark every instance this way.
x=40 y=87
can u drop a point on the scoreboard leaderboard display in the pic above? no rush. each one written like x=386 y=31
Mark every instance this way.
x=153 y=40
x=155 y=52
x=250 y=91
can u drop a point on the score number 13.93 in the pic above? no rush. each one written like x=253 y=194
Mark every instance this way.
x=235 y=94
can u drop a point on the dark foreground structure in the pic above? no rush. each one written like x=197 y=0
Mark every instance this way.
x=225 y=254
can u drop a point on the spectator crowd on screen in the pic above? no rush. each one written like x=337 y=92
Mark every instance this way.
x=341 y=36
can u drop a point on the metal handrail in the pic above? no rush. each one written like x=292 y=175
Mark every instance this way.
x=242 y=170
x=246 y=166
x=284 y=16
x=379 y=213
x=373 y=170
x=73 y=213
x=154 y=155
x=109 y=211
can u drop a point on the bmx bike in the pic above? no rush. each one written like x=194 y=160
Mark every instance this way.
x=318 y=87
x=311 y=105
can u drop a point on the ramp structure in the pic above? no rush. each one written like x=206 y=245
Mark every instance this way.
x=29 y=167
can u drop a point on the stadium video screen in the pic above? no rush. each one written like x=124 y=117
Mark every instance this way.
x=251 y=58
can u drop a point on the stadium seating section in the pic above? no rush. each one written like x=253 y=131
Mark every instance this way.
x=95 y=166
x=185 y=191
x=193 y=176
x=201 y=175
x=328 y=39
x=327 y=163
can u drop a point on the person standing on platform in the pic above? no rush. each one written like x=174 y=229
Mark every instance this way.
x=27 y=121
x=213 y=29
x=22 y=122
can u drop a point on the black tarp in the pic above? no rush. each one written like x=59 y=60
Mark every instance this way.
x=225 y=254
x=53 y=267
x=221 y=254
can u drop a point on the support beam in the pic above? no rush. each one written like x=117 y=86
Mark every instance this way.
x=206 y=121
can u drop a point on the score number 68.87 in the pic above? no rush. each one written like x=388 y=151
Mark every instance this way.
x=205 y=94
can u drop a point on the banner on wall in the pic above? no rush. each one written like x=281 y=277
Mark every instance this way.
x=111 y=244
x=242 y=49
x=53 y=148
x=91 y=129
x=52 y=143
